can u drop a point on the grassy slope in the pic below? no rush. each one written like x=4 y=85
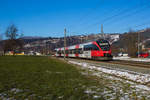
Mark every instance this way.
x=41 y=78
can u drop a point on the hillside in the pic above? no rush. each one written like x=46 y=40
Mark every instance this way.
x=120 y=42
x=128 y=42
x=49 y=43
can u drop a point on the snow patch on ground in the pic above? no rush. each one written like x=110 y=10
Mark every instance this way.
x=143 y=87
x=14 y=91
x=140 y=78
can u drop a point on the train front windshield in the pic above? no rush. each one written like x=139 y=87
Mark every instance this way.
x=104 y=45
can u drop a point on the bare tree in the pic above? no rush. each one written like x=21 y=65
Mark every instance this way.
x=1 y=37
x=1 y=44
x=13 y=41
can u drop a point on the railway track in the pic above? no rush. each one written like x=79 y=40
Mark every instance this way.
x=131 y=63
x=121 y=62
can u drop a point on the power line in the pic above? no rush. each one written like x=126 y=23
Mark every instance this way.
x=88 y=13
x=129 y=14
x=112 y=17
x=146 y=23
x=106 y=19
x=96 y=17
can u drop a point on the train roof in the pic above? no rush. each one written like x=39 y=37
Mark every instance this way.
x=73 y=46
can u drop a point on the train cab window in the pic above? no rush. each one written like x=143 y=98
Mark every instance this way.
x=104 y=45
x=105 y=48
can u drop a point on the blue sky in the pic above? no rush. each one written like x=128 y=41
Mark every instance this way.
x=50 y=17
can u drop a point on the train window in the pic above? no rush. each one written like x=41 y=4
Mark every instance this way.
x=59 y=52
x=80 y=50
x=86 y=48
x=90 y=47
x=69 y=51
x=77 y=51
x=66 y=51
x=74 y=51
x=94 y=47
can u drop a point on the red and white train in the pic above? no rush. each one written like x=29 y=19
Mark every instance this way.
x=98 y=50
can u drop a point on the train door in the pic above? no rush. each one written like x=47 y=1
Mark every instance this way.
x=87 y=51
x=87 y=54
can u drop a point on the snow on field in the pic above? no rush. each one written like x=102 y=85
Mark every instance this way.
x=132 y=59
x=116 y=83
x=140 y=78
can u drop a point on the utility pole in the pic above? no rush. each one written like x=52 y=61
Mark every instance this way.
x=138 y=44
x=102 y=32
x=64 y=43
x=139 y=41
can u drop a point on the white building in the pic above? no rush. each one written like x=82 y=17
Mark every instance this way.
x=114 y=37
